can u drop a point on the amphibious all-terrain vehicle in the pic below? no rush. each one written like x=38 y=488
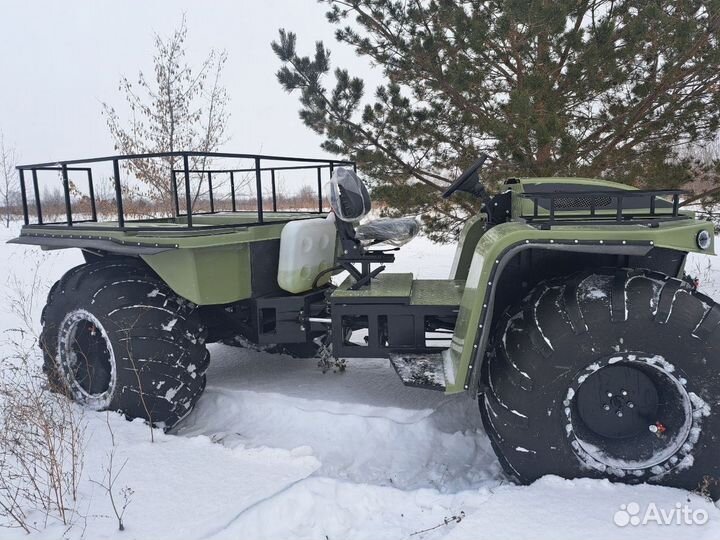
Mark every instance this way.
x=567 y=312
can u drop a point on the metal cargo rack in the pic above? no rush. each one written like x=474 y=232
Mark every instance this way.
x=603 y=207
x=123 y=224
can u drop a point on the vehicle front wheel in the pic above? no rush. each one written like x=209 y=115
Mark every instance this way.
x=613 y=374
x=115 y=337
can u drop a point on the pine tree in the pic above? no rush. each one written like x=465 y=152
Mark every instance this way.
x=604 y=88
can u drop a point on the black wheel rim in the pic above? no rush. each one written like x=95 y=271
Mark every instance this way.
x=618 y=401
x=630 y=412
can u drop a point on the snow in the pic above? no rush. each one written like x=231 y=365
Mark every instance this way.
x=169 y=326
x=277 y=449
x=594 y=287
x=537 y=323
x=421 y=369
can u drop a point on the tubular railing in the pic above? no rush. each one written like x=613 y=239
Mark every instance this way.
x=82 y=166
x=605 y=207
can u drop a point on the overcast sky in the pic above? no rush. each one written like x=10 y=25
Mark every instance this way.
x=60 y=59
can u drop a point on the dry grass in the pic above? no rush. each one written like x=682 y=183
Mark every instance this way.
x=41 y=432
x=41 y=449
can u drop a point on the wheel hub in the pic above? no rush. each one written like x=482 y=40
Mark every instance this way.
x=617 y=401
x=629 y=412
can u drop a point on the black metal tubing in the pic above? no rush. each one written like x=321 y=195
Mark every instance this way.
x=297 y=168
x=232 y=190
x=74 y=165
x=118 y=194
x=36 y=190
x=210 y=192
x=173 y=186
x=63 y=170
x=620 y=215
x=91 y=190
x=66 y=190
x=188 y=201
x=126 y=157
x=23 y=194
x=272 y=185
x=57 y=169
x=258 y=189
x=320 y=195
x=231 y=172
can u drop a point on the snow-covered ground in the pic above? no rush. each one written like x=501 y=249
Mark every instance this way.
x=277 y=449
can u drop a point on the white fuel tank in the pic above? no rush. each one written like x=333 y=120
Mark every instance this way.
x=307 y=247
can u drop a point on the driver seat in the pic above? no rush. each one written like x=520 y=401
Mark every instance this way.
x=350 y=202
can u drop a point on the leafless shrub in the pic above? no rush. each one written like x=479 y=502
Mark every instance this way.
x=701 y=273
x=41 y=432
x=41 y=448
x=109 y=480
x=141 y=390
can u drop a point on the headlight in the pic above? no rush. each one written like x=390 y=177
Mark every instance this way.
x=704 y=239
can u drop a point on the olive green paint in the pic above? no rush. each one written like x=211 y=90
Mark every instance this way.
x=216 y=275
x=386 y=285
x=677 y=235
x=437 y=292
x=212 y=266
x=469 y=237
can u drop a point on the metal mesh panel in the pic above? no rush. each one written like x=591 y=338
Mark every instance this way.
x=582 y=202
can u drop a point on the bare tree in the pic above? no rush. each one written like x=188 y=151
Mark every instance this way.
x=8 y=179
x=180 y=108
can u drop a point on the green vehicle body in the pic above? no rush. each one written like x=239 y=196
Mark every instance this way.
x=481 y=257
x=215 y=268
x=206 y=267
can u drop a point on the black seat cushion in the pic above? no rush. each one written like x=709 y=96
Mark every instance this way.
x=395 y=231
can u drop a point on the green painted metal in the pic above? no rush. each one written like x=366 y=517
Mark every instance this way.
x=475 y=226
x=405 y=289
x=569 y=181
x=205 y=266
x=212 y=266
x=214 y=275
x=199 y=236
x=488 y=252
x=437 y=292
x=386 y=285
x=469 y=237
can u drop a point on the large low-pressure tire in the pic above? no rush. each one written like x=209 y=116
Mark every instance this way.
x=613 y=374
x=115 y=337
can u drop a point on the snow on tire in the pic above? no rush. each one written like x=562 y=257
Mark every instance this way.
x=608 y=374
x=116 y=337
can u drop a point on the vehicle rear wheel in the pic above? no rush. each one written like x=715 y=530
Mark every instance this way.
x=116 y=337
x=613 y=374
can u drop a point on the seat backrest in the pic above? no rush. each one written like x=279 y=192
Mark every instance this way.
x=307 y=247
x=349 y=198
